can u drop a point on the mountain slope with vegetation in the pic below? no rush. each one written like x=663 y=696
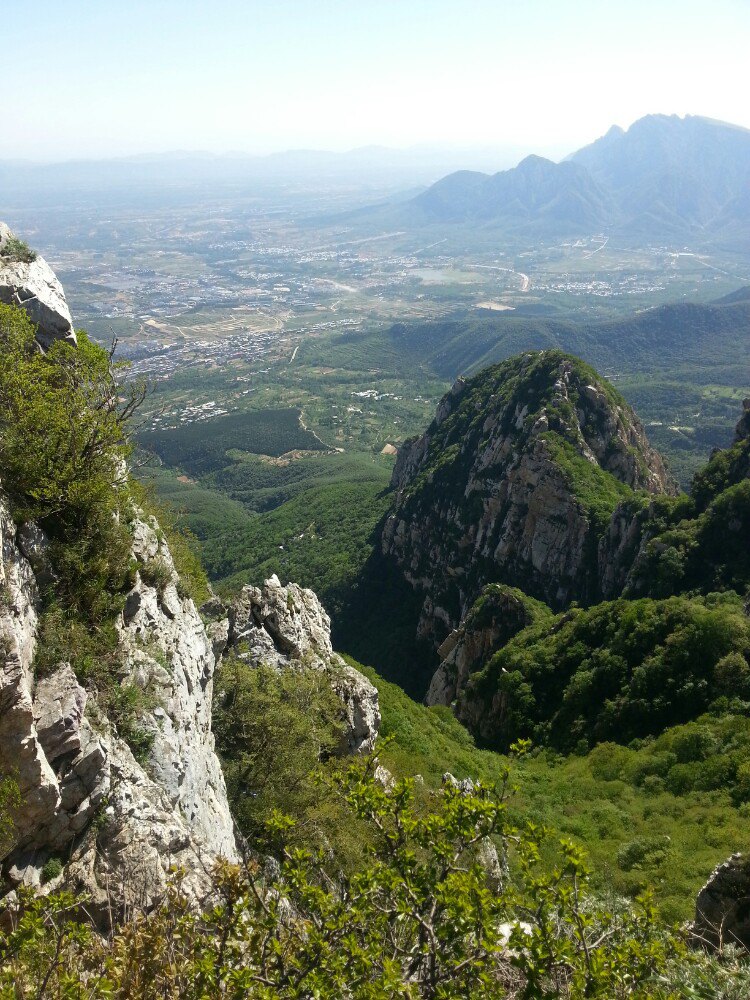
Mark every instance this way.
x=367 y=872
x=665 y=176
x=515 y=481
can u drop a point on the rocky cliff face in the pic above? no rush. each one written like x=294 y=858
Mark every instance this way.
x=289 y=629
x=515 y=481
x=499 y=614
x=33 y=286
x=118 y=824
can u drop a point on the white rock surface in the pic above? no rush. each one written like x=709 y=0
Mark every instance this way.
x=35 y=288
x=72 y=768
x=288 y=628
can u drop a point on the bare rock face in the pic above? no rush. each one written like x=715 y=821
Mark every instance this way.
x=514 y=482
x=120 y=824
x=722 y=909
x=34 y=287
x=288 y=628
x=499 y=614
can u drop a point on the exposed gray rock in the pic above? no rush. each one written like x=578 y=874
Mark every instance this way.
x=492 y=490
x=361 y=706
x=35 y=288
x=722 y=909
x=169 y=654
x=59 y=704
x=171 y=810
x=288 y=628
x=21 y=753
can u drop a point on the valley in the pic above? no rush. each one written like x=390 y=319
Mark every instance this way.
x=292 y=346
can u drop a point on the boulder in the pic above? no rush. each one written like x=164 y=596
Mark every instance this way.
x=722 y=909
x=34 y=287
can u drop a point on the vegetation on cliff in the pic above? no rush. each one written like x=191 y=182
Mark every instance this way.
x=617 y=671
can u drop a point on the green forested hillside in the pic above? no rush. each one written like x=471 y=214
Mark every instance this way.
x=658 y=812
x=199 y=447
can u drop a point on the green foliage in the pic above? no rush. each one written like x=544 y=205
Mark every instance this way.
x=701 y=976
x=276 y=732
x=61 y=431
x=700 y=552
x=320 y=539
x=51 y=870
x=10 y=800
x=17 y=251
x=596 y=490
x=418 y=919
x=616 y=671
x=607 y=798
x=62 y=444
x=201 y=447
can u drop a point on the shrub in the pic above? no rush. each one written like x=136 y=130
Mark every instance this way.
x=276 y=732
x=17 y=251
x=620 y=670
x=416 y=920
x=51 y=870
x=644 y=852
x=156 y=573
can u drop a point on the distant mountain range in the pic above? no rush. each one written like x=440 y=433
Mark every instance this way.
x=665 y=177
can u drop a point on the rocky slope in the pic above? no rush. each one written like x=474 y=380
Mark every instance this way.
x=515 y=481
x=117 y=807
x=33 y=285
x=288 y=628
x=118 y=824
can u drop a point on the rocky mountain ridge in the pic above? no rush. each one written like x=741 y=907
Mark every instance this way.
x=515 y=481
x=664 y=176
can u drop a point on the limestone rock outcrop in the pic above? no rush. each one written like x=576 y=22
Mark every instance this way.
x=287 y=627
x=118 y=824
x=514 y=481
x=34 y=286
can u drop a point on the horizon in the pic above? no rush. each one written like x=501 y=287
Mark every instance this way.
x=417 y=149
x=240 y=78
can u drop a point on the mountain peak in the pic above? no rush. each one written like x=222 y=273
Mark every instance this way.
x=514 y=482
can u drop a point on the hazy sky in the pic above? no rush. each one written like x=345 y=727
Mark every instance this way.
x=107 y=77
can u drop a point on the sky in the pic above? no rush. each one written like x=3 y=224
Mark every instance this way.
x=99 y=78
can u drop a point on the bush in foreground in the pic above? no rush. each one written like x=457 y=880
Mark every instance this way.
x=419 y=919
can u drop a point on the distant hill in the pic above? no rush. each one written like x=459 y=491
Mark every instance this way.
x=536 y=193
x=710 y=338
x=664 y=177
